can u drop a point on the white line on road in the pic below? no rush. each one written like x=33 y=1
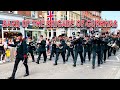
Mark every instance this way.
x=118 y=58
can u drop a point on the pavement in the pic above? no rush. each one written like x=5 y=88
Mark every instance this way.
x=108 y=70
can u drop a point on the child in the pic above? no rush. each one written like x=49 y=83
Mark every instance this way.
x=7 y=54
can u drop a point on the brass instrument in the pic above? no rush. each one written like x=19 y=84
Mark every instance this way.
x=58 y=45
x=114 y=45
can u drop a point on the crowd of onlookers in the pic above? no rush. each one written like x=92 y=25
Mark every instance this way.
x=5 y=49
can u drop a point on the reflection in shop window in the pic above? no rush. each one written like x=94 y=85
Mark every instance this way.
x=9 y=28
x=4 y=28
x=14 y=28
x=18 y=28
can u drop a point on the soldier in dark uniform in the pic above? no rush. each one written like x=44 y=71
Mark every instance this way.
x=96 y=48
x=87 y=47
x=31 y=48
x=109 y=46
x=53 y=51
x=60 y=49
x=78 y=50
x=70 y=47
x=42 y=49
x=21 y=55
x=104 y=47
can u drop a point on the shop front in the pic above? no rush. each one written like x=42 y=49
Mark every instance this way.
x=9 y=32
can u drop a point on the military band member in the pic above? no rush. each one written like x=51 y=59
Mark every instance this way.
x=70 y=48
x=31 y=48
x=104 y=48
x=87 y=48
x=53 y=51
x=96 y=49
x=78 y=50
x=42 y=49
x=60 y=49
x=21 y=54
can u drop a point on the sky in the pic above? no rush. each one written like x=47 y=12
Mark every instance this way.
x=112 y=15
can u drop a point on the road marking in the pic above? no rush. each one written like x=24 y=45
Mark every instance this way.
x=118 y=58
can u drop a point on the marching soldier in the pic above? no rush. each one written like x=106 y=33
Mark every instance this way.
x=70 y=47
x=41 y=49
x=31 y=48
x=53 y=51
x=96 y=48
x=87 y=48
x=104 y=48
x=21 y=54
x=78 y=50
x=60 y=49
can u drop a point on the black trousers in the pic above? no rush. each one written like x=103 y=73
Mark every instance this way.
x=16 y=65
x=109 y=51
x=57 y=56
x=44 y=55
x=68 y=54
x=76 y=55
x=52 y=53
x=104 y=54
x=114 y=51
x=31 y=53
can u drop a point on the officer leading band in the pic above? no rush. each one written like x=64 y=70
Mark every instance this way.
x=99 y=45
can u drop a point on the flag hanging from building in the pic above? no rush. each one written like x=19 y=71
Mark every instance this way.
x=50 y=15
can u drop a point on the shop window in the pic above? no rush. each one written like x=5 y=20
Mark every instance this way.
x=4 y=28
x=54 y=34
x=49 y=34
x=18 y=28
x=14 y=28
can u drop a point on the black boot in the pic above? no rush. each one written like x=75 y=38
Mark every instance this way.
x=93 y=67
x=11 y=77
x=74 y=65
x=27 y=74
x=98 y=65
x=55 y=64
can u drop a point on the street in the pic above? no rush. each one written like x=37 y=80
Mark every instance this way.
x=108 y=70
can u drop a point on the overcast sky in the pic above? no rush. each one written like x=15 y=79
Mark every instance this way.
x=112 y=15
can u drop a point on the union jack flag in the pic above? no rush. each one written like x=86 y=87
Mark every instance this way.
x=50 y=15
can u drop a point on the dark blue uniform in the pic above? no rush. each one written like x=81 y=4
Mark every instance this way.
x=42 y=50
x=78 y=50
x=31 y=48
x=53 y=51
x=96 y=48
x=60 y=50
x=70 y=50
x=87 y=49
x=21 y=55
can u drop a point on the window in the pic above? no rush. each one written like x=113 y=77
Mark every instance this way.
x=33 y=13
x=54 y=34
x=49 y=34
